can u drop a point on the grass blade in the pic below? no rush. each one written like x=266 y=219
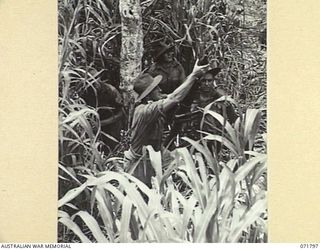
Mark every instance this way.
x=224 y=141
x=246 y=168
x=203 y=222
x=92 y=225
x=252 y=121
x=125 y=220
x=193 y=175
x=187 y=214
x=225 y=124
x=247 y=219
x=68 y=173
x=75 y=228
x=203 y=174
x=71 y=194
x=105 y=213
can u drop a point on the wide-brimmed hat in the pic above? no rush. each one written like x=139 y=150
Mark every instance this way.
x=144 y=84
x=214 y=71
x=161 y=48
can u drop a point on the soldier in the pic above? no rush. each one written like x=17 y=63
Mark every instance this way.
x=173 y=74
x=168 y=67
x=187 y=124
x=150 y=116
x=209 y=92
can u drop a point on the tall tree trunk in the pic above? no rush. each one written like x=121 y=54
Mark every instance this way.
x=131 y=49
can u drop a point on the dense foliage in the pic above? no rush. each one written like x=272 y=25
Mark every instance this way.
x=200 y=196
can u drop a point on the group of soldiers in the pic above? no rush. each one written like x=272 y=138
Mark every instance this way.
x=161 y=91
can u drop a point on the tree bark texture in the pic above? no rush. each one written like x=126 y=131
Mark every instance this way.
x=131 y=49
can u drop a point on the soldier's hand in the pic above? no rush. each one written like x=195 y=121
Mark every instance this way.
x=199 y=70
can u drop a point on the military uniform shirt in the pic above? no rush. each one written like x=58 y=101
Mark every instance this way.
x=147 y=126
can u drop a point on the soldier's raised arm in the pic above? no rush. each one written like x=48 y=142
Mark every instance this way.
x=179 y=93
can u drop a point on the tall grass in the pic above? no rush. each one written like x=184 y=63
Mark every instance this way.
x=218 y=201
x=227 y=32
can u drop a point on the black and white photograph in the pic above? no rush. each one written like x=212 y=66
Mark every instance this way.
x=162 y=109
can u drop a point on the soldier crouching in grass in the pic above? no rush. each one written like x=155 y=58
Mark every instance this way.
x=150 y=116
